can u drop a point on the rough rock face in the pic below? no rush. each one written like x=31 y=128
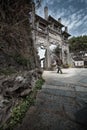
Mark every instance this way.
x=13 y=88
x=17 y=54
x=16 y=45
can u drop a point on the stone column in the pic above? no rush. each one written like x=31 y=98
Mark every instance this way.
x=65 y=57
x=68 y=54
x=48 y=64
x=62 y=53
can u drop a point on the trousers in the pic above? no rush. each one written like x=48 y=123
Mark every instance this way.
x=59 y=69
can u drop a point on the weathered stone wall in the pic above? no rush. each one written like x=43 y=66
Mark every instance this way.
x=55 y=38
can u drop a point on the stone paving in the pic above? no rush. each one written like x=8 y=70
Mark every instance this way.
x=61 y=104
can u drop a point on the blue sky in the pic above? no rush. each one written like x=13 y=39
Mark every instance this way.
x=72 y=12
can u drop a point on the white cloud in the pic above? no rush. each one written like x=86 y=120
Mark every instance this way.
x=70 y=16
x=50 y=2
x=75 y=21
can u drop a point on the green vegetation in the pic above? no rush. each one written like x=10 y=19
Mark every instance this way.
x=19 y=111
x=21 y=60
x=39 y=84
x=7 y=71
x=78 y=44
x=57 y=51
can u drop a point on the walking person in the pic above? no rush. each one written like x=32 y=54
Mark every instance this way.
x=59 y=63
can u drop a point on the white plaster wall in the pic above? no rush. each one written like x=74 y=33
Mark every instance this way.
x=79 y=63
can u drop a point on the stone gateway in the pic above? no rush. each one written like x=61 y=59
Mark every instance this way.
x=47 y=31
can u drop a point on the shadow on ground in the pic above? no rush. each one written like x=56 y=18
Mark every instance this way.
x=55 y=110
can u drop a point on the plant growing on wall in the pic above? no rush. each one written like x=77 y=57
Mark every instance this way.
x=57 y=51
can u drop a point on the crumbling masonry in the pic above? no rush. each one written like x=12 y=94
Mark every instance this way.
x=47 y=31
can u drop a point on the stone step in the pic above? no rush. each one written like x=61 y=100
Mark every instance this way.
x=70 y=91
x=59 y=91
x=59 y=105
x=70 y=87
x=56 y=103
x=61 y=87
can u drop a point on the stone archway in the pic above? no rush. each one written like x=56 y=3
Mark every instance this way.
x=45 y=58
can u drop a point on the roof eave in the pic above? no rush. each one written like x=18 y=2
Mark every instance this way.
x=50 y=17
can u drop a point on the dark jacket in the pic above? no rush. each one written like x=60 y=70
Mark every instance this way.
x=59 y=62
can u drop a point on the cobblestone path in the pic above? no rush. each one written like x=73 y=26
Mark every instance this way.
x=60 y=105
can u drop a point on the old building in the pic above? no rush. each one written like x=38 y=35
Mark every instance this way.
x=79 y=59
x=47 y=31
